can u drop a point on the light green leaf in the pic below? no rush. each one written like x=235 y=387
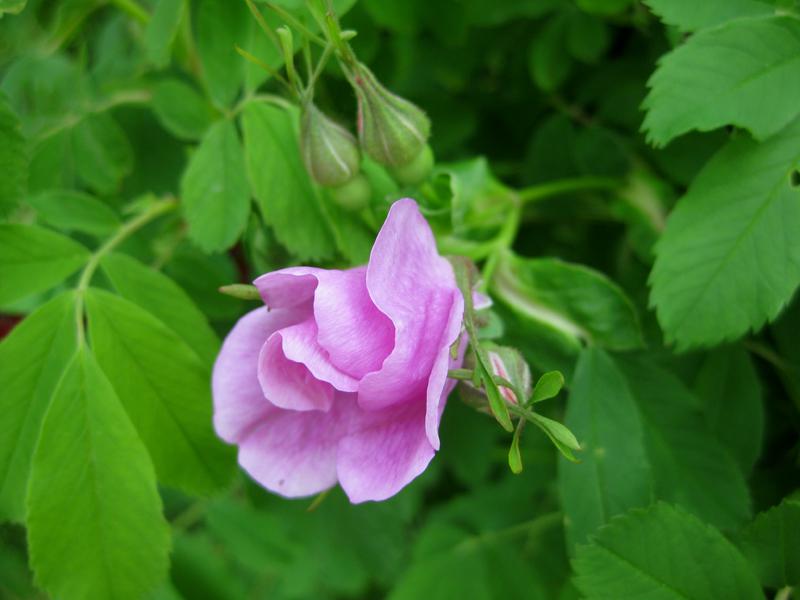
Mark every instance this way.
x=13 y=7
x=219 y=26
x=728 y=386
x=165 y=300
x=690 y=466
x=33 y=260
x=563 y=439
x=573 y=302
x=32 y=358
x=771 y=544
x=688 y=15
x=164 y=387
x=74 y=211
x=13 y=155
x=181 y=109
x=729 y=258
x=613 y=474
x=95 y=527
x=103 y=154
x=548 y=386
x=161 y=30
x=214 y=190
x=280 y=184
x=744 y=73
x=663 y=553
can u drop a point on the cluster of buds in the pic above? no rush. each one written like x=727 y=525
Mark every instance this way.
x=391 y=130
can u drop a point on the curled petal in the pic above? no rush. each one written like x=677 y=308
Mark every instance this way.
x=239 y=402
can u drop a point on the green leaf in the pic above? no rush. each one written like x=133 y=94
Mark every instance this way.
x=549 y=62
x=13 y=154
x=587 y=37
x=690 y=466
x=219 y=26
x=69 y=210
x=165 y=300
x=164 y=387
x=181 y=109
x=663 y=553
x=103 y=155
x=758 y=89
x=95 y=527
x=770 y=543
x=729 y=258
x=573 y=301
x=514 y=456
x=728 y=386
x=33 y=260
x=214 y=190
x=548 y=386
x=564 y=440
x=614 y=474
x=32 y=358
x=688 y=15
x=161 y=30
x=13 y=7
x=280 y=184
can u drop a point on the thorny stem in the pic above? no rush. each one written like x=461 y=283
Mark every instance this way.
x=156 y=210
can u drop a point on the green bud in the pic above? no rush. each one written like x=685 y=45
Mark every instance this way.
x=330 y=152
x=353 y=195
x=392 y=130
x=416 y=171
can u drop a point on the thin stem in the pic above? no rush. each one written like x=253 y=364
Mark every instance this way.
x=263 y=24
x=260 y=63
x=293 y=22
x=531 y=528
x=133 y=10
x=564 y=186
x=156 y=210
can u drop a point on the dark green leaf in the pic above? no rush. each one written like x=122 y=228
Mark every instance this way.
x=771 y=544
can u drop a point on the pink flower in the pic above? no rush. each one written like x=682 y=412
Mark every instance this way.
x=343 y=375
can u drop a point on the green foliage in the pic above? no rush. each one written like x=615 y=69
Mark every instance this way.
x=771 y=545
x=74 y=212
x=690 y=16
x=94 y=516
x=626 y=560
x=13 y=155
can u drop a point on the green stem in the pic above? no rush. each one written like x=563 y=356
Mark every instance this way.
x=133 y=10
x=531 y=528
x=156 y=210
x=564 y=186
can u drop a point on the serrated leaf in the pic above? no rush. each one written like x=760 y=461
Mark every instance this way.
x=69 y=210
x=688 y=15
x=219 y=26
x=662 y=553
x=729 y=258
x=102 y=152
x=744 y=73
x=614 y=473
x=730 y=391
x=164 y=387
x=165 y=300
x=690 y=467
x=161 y=30
x=214 y=191
x=770 y=542
x=574 y=302
x=95 y=527
x=32 y=358
x=181 y=109
x=13 y=155
x=548 y=386
x=33 y=260
x=280 y=184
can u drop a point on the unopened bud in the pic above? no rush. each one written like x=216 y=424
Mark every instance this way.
x=330 y=152
x=505 y=363
x=353 y=195
x=392 y=130
x=417 y=170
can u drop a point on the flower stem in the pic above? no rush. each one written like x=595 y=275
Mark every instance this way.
x=531 y=528
x=154 y=211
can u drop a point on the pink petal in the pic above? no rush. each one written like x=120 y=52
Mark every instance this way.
x=295 y=453
x=295 y=372
x=355 y=334
x=238 y=399
x=384 y=452
x=415 y=287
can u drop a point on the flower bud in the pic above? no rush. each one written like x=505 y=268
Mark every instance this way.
x=330 y=152
x=392 y=130
x=416 y=171
x=353 y=195
x=506 y=363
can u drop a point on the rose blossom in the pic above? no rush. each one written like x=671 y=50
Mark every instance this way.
x=342 y=376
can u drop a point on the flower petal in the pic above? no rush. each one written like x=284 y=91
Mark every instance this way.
x=415 y=287
x=239 y=402
x=384 y=452
x=294 y=453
